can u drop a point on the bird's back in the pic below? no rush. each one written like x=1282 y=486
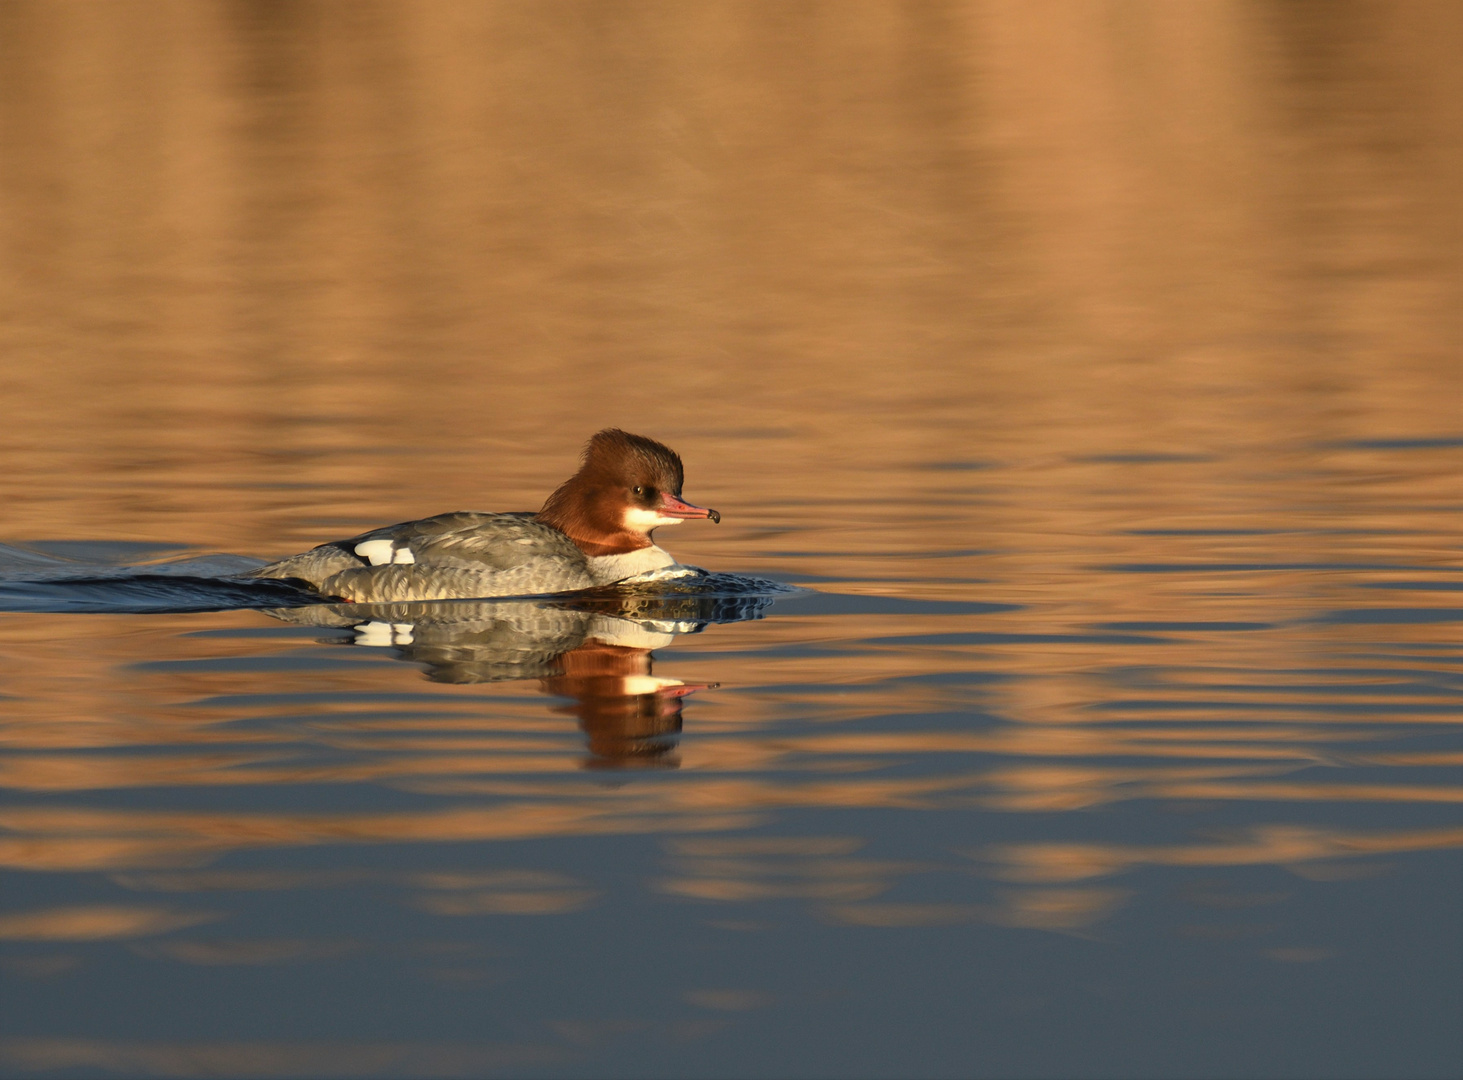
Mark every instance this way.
x=462 y=554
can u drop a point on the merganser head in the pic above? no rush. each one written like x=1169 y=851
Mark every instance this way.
x=626 y=486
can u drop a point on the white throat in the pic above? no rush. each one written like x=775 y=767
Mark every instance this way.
x=610 y=568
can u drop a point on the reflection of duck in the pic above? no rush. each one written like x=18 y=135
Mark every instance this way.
x=630 y=716
x=593 y=530
x=593 y=649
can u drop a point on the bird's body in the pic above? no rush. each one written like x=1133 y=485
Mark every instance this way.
x=593 y=530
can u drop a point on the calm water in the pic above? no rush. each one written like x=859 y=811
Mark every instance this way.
x=1090 y=377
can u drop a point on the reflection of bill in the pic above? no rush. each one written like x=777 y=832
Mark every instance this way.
x=595 y=652
x=630 y=716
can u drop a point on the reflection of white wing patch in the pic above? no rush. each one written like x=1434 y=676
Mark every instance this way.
x=384 y=553
x=374 y=634
x=379 y=634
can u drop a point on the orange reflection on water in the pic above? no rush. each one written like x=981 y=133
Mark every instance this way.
x=1273 y=845
x=97 y=923
x=1029 y=909
x=1104 y=343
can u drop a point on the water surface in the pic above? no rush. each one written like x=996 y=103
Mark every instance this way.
x=1091 y=372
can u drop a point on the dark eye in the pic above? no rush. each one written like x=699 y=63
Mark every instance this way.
x=638 y=490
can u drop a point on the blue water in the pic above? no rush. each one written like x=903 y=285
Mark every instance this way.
x=631 y=832
x=1076 y=684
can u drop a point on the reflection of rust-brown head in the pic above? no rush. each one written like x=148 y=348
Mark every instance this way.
x=629 y=716
x=626 y=486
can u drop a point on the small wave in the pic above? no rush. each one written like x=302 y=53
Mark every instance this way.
x=147 y=594
x=122 y=578
x=97 y=577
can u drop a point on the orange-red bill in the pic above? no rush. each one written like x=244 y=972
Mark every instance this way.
x=674 y=507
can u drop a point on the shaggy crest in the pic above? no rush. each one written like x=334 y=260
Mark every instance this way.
x=616 y=468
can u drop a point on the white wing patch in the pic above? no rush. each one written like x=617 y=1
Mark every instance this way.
x=376 y=552
x=384 y=553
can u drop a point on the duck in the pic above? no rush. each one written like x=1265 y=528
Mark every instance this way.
x=594 y=529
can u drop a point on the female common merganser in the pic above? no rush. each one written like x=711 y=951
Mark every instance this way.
x=593 y=530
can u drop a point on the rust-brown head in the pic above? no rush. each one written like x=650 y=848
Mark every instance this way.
x=626 y=486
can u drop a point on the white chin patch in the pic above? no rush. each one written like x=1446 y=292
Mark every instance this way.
x=638 y=520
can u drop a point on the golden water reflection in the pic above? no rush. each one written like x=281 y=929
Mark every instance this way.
x=1096 y=364
x=507 y=768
